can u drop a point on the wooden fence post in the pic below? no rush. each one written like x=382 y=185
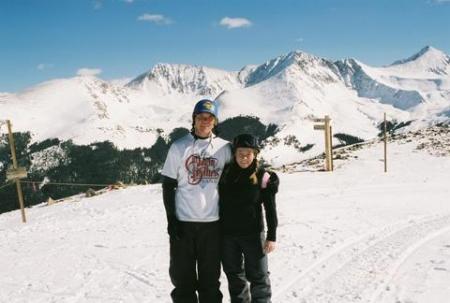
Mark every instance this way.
x=16 y=168
x=327 y=133
x=331 y=148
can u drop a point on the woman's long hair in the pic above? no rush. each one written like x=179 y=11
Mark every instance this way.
x=253 y=175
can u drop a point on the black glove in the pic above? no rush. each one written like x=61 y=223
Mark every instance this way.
x=174 y=228
x=273 y=183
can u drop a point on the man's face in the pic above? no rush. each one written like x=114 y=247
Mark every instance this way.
x=204 y=124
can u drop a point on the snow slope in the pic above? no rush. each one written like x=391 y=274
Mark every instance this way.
x=85 y=109
x=419 y=84
x=355 y=235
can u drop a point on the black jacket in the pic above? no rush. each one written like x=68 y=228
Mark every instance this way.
x=241 y=202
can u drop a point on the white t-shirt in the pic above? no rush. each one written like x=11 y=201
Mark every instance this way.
x=197 y=165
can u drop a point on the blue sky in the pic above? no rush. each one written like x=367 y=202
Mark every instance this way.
x=47 y=39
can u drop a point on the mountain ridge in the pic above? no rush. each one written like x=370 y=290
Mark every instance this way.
x=288 y=90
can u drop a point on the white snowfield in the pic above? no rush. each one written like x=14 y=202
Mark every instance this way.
x=355 y=235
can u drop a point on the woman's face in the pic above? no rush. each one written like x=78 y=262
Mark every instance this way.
x=244 y=156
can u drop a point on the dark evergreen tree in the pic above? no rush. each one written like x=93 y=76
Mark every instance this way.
x=177 y=133
x=346 y=139
x=392 y=126
x=8 y=194
x=232 y=127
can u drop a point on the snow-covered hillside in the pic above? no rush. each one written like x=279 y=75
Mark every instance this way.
x=355 y=235
x=290 y=91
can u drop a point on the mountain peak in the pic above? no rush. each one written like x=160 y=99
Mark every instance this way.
x=429 y=61
x=427 y=53
x=299 y=56
x=188 y=79
x=273 y=67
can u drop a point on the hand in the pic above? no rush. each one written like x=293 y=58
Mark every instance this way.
x=269 y=246
x=273 y=182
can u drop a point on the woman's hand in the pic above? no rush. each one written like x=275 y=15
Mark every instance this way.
x=273 y=183
x=269 y=246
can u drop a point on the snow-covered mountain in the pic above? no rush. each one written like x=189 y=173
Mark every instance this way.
x=290 y=91
x=86 y=109
x=187 y=79
x=429 y=60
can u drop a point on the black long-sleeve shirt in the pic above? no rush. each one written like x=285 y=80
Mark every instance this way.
x=241 y=204
x=169 y=186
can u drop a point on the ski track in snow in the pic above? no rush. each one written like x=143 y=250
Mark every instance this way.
x=360 y=267
x=421 y=245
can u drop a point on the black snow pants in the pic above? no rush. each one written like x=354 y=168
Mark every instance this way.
x=195 y=263
x=244 y=261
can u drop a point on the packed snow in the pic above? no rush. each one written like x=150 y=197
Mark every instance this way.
x=357 y=234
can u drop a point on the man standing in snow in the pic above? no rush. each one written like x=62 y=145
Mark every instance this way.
x=191 y=173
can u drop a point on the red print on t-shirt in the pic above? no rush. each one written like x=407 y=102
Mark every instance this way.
x=201 y=169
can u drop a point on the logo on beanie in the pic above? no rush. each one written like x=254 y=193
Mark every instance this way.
x=208 y=105
x=201 y=169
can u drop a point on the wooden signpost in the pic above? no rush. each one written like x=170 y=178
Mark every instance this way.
x=328 y=144
x=16 y=173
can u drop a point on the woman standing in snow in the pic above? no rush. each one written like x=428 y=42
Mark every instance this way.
x=243 y=189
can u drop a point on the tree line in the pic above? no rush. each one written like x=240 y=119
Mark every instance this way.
x=97 y=163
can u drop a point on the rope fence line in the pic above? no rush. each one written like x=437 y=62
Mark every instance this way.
x=6 y=185
x=72 y=184
x=66 y=184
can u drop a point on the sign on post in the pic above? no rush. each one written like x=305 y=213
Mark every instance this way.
x=319 y=127
x=327 y=128
x=16 y=173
